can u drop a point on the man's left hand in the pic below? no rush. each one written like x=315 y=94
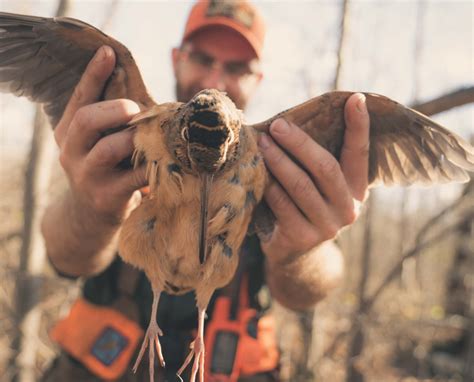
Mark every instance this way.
x=312 y=204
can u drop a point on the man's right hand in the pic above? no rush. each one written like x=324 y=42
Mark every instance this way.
x=89 y=157
x=80 y=230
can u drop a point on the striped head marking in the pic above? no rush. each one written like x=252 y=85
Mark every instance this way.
x=211 y=130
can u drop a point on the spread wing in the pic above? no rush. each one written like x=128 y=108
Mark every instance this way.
x=44 y=58
x=406 y=147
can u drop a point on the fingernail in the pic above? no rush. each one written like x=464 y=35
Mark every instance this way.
x=361 y=106
x=263 y=141
x=103 y=53
x=280 y=126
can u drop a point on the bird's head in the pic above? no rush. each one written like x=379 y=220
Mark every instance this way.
x=210 y=129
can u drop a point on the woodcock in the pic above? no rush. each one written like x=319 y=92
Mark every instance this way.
x=205 y=172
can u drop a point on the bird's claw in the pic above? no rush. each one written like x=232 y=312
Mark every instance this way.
x=151 y=339
x=197 y=351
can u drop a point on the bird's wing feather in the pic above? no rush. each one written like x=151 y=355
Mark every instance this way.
x=406 y=147
x=44 y=58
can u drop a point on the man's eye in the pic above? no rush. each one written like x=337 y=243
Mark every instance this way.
x=237 y=68
x=202 y=59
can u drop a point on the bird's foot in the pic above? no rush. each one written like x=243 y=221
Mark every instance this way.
x=197 y=351
x=151 y=339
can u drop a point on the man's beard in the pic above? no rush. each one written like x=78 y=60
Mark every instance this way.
x=185 y=94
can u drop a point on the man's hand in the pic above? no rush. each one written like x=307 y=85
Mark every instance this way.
x=313 y=203
x=89 y=157
x=101 y=194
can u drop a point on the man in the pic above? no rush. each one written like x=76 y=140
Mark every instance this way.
x=312 y=201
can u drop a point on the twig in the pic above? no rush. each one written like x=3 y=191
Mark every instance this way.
x=417 y=248
x=449 y=208
x=368 y=304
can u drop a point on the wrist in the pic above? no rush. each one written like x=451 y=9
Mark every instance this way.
x=84 y=217
x=303 y=280
x=325 y=258
x=106 y=215
x=78 y=241
x=281 y=256
x=279 y=259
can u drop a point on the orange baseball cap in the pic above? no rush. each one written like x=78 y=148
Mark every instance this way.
x=240 y=16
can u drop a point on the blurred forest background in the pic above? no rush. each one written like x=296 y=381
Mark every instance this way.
x=405 y=310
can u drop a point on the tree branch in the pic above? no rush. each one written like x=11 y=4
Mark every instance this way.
x=341 y=43
x=449 y=208
x=396 y=269
x=447 y=101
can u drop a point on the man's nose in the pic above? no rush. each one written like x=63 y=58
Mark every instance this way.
x=215 y=79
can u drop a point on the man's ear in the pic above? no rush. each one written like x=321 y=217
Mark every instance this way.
x=175 y=57
x=254 y=84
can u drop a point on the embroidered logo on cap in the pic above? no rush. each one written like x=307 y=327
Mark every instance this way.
x=238 y=11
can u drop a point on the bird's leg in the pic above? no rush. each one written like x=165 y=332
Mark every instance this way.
x=151 y=339
x=197 y=351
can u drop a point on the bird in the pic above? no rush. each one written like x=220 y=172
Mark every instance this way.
x=205 y=172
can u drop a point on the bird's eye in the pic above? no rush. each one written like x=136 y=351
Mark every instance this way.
x=185 y=134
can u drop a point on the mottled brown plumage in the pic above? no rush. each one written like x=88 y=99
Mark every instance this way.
x=161 y=236
x=205 y=172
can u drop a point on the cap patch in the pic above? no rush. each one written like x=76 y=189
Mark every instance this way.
x=238 y=11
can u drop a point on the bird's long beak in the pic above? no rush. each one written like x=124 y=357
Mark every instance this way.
x=206 y=182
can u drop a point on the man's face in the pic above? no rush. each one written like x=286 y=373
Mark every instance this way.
x=218 y=58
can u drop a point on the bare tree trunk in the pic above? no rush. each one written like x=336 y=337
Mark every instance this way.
x=295 y=343
x=32 y=254
x=460 y=290
x=469 y=362
x=466 y=290
x=112 y=10
x=408 y=275
x=405 y=275
x=457 y=290
x=341 y=43
x=356 y=334
x=29 y=280
x=64 y=7
x=304 y=371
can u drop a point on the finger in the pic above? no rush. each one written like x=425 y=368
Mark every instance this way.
x=89 y=88
x=111 y=150
x=92 y=121
x=355 y=150
x=288 y=216
x=320 y=163
x=295 y=181
x=132 y=180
